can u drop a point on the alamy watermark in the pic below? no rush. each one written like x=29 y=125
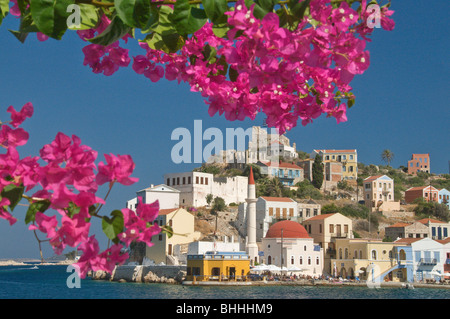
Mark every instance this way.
x=74 y=280
x=221 y=147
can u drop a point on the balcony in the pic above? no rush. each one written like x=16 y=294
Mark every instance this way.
x=339 y=235
x=428 y=261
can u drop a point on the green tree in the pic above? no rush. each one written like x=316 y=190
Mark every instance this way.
x=274 y=187
x=317 y=172
x=306 y=190
x=256 y=171
x=209 y=198
x=387 y=156
x=218 y=206
x=433 y=209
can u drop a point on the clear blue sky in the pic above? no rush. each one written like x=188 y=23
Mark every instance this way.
x=402 y=105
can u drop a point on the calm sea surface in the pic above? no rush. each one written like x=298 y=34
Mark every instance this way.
x=50 y=282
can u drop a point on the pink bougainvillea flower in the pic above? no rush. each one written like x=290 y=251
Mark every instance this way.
x=117 y=169
x=17 y=118
x=4 y=213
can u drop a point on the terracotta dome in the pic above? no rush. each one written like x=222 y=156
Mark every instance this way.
x=290 y=229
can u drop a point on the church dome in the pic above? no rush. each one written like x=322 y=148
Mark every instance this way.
x=290 y=229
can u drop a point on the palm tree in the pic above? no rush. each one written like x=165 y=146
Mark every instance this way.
x=387 y=156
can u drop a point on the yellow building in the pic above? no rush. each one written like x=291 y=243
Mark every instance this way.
x=218 y=266
x=182 y=223
x=354 y=258
x=348 y=159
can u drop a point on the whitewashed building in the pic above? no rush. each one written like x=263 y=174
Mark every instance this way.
x=288 y=245
x=195 y=186
x=168 y=197
x=268 y=211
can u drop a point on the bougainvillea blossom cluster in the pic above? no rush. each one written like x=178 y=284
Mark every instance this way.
x=65 y=179
x=286 y=74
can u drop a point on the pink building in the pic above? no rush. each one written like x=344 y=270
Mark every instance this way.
x=419 y=163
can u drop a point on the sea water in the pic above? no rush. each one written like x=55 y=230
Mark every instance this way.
x=51 y=282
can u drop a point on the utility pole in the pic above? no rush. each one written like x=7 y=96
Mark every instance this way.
x=281 y=254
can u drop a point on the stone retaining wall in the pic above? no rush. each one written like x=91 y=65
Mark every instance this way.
x=156 y=274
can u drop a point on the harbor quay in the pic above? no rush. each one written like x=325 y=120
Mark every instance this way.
x=177 y=274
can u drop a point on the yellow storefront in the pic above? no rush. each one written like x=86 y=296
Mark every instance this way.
x=218 y=266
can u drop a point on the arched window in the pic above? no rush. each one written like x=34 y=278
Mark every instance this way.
x=355 y=254
x=309 y=260
x=360 y=254
x=301 y=260
x=340 y=253
x=346 y=253
x=317 y=260
x=269 y=260
x=292 y=260
x=374 y=254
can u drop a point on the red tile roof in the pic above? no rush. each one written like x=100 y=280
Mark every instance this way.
x=429 y=220
x=166 y=211
x=371 y=178
x=407 y=240
x=281 y=164
x=323 y=216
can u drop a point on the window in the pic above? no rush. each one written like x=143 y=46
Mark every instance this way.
x=206 y=180
x=168 y=182
x=196 y=180
x=304 y=247
x=309 y=260
x=278 y=212
x=301 y=260
x=331 y=228
x=351 y=157
x=374 y=254
x=292 y=260
x=355 y=254
x=291 y=212
x=300 y=212
x=346 y=229
x=189 y=179
x=350 y=168
x=201 y=180
x=340 y=253
x=178 y=181
x=284 y=212
x=320 y=228
x=184 y=180
x=270 y=211
x=346 y=253
x=317 y=261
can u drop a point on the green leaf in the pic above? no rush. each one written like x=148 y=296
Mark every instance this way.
x=4 y=9
x=39 y=206
x=298 y=8
x=266 y=5
x=168 y=231
x=13 y=193
x=113 y=226
x=220 y=30
x=114 y=32
x=21 y=36
x=134 y=13
x=187 y=18
x=88 y=17
x=51 y=16
x=215 y=10
x=233 y=74
x=72 y=209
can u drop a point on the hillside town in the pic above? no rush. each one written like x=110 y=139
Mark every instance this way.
x=286 y=213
